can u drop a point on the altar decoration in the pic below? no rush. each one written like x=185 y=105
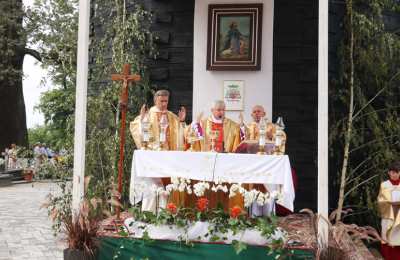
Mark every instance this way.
x=172 y=235
x=215 y=172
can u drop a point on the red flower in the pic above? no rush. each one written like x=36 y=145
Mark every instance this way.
x=171 y=207
x=236 y=211
x=202 y=204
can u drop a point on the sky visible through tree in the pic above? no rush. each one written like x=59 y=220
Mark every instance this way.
x=33 y=76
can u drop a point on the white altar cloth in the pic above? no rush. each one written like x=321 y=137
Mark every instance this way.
x=271 y=170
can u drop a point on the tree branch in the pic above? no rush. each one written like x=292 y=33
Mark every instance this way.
x=33 y=53
x=377 y=94
x=361 y=183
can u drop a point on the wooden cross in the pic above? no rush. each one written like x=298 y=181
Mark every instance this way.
x=126 y=79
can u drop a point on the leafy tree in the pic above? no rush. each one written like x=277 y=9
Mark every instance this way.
x=13 y=49
x=364 y=133
x=121 y=36
x=52 y=26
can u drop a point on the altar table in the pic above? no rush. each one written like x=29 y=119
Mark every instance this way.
x=271 y=170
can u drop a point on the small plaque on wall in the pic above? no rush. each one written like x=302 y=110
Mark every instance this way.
x=234 y=95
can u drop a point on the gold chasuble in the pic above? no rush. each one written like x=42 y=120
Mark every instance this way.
x=228 y=136
x=389 y=212
x=227 y=140
x=174 y=135
x=174 y=141
x=253 y=132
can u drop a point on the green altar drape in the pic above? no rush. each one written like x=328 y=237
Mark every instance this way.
x=135 y=249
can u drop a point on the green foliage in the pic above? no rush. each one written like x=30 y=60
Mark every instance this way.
x=239 y=246
x=221 y=223
x=52 y=26
x=376 y=125
x=12 y=42
x=125 y=38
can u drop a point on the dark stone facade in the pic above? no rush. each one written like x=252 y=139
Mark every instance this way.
x=295 y=91
x=173 y=70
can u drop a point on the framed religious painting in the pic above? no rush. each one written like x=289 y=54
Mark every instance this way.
x=234 y=37
x=234 y=95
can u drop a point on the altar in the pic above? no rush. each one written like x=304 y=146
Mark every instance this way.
x=273 y=171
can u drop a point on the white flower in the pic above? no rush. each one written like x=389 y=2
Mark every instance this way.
x=200 y=187
x=169 y=188
x=234 y=189
x=249 y=197
x=189 y=190
x=261 y=199
x=175 y=180
x=276 y=195
x=279 y=234
x=182 y=187
x=220 y=187
x=224 y=188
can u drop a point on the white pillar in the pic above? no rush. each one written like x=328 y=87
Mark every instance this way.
x=80 y=104
x=323 y=117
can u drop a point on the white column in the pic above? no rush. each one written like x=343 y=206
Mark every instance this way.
x=80 y=105
x=323 y=117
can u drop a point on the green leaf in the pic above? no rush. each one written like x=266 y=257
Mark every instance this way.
x=239 y=246
x=214 y=238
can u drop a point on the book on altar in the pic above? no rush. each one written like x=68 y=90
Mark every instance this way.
x=252 y=146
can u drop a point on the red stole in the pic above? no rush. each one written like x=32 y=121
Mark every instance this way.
x=219 y=142
x=395 y=183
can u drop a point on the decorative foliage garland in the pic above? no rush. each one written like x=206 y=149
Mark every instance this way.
x=220 y=222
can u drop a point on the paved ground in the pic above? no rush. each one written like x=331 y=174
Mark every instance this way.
x=25 y=230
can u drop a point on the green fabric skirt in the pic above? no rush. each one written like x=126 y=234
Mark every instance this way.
x=137 y=249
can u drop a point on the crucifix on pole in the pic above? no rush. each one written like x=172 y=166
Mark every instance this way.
x=126 y=78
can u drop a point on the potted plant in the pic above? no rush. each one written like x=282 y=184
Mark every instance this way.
x=28 y=175
x=81 y=234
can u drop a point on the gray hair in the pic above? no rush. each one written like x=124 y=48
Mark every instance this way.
x=161 y=93
x=218 y=103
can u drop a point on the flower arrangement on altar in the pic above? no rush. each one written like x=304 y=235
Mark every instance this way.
x=202 y=223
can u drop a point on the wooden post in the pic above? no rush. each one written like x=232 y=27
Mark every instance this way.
x=80 y=105
x=126 y=79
